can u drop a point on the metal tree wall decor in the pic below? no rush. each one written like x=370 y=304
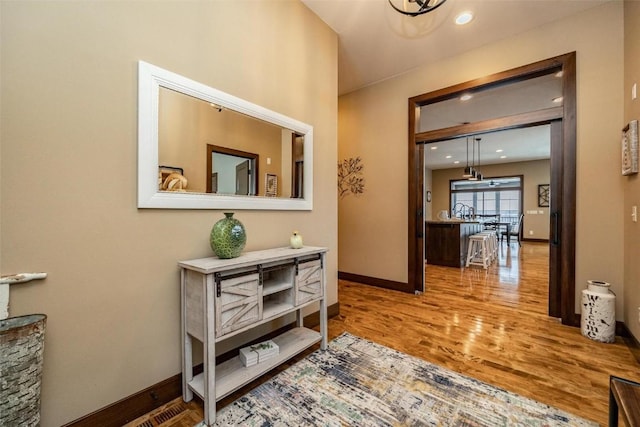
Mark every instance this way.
x=350 y=180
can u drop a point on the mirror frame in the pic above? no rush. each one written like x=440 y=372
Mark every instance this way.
x=150 y=79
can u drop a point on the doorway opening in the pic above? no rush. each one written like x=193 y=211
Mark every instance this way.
x=231 y=171
x=562 y=125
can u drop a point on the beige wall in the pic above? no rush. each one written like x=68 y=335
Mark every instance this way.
x=631 y=183
x=68 y=172
x=534 y=172
x=373 y=125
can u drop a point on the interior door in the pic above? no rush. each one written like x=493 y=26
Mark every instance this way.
x=243 y=174
x=297 y=157
x=555 y=213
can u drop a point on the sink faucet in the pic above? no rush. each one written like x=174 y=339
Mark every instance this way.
x=472 y=212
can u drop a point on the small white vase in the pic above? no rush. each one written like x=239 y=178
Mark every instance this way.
x=296 y=240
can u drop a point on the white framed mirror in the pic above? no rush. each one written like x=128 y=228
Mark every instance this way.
x=179 y=120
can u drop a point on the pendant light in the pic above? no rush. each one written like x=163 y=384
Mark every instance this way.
x=479 y=176
x=474 y=173
x=468 y=170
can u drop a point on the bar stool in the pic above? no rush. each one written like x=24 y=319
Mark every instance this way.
x=478 y=252
x=492 y=244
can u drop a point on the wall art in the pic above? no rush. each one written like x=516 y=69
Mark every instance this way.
x=271 y=185
x=630 y=148
x=350 y=179
x=543 y=195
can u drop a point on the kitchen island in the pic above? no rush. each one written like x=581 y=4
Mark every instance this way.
x=446 y=241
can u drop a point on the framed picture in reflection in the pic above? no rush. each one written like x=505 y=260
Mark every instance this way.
x=630 y=148
x=271 y=185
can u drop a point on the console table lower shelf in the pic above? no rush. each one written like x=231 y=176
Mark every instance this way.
x=232 y=374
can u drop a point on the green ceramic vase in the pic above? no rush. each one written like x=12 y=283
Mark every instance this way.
x=228 y=237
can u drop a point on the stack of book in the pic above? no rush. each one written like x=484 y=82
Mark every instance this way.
x=258 y=353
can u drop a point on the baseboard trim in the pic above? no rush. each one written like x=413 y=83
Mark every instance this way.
x=576 y=320
x=134 y=406
x=533 y=240
x=629 y=339
x=373 y=281
x=622 y=331
x=145 y=401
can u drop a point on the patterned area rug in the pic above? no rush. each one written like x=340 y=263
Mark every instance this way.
x=358 y=382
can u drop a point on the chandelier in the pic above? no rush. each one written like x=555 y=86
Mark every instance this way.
x=415 y=7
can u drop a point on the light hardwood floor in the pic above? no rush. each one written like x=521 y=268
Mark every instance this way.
x=488 y=324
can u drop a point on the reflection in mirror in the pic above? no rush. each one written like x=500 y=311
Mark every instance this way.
x=187 y=126
x=297 y=157
x=211 y=146
x=232 y=171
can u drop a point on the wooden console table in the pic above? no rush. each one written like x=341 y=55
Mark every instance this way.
x=624 y=399
x=225 y=297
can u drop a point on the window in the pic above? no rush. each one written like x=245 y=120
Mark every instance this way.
x=491 y=196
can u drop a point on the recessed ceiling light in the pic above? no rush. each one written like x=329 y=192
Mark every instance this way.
x=434 y=148
x=466 y=97
x=464 y=18
x=447 y=157
x=559 y=74
x=499 y=150
x=557 y=99
x=456 y=162
x=503 y=157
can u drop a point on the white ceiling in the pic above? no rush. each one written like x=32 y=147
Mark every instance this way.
x=377 y=43
x=515 y=145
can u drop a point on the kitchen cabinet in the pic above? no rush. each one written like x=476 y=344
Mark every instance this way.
x=446 y=242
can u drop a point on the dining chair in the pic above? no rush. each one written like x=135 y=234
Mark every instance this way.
x=491 y=224
x=515 y=230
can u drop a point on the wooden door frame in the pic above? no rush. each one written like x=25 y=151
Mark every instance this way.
x=253 y=157
x=563 y=171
